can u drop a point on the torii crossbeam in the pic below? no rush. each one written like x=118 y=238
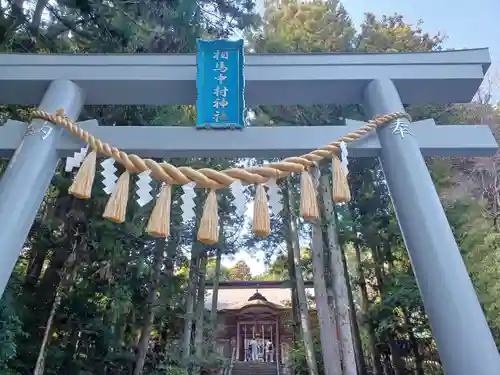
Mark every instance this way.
x=261 y=142
x=380 y=82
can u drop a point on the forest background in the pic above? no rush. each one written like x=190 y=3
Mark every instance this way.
x=92 y=297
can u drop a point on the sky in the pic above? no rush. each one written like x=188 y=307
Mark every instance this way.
x=466 y=25
x=255 y=260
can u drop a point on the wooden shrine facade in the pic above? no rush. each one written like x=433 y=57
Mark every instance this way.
x=257 y=321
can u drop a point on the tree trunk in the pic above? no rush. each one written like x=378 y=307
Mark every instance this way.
x=200 y=309
x=358 y=345
x=301 y=291
x=42 y=354
x=370 y=330
x=338 y=280
x=215 y=294
x=326 y=315
x=46 y=290
x=327 y=324
x=398 y=363
x=419 y=361
x=63 y=286
x=387 y=364
x=143 y=345
x=35 y=266
x=291 y=276
x=190 y=297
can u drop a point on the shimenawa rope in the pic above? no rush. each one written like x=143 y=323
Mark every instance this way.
x=207 y=177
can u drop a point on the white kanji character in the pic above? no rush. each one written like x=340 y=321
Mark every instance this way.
x=221 y=67
x=220 y=78
x=401 y=127
x=216 y=116
x=220 y=103
x=221 y=55
x=220 y=91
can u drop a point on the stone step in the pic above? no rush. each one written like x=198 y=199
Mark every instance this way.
x=254 y=368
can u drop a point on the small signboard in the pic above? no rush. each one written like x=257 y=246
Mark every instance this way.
x=220 y=84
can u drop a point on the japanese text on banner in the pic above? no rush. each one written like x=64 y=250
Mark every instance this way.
x=220 y=84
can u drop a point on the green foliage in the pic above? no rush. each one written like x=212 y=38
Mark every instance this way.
x=169 y=370
x=479 y=242
x=297 y=356
x=11 y=329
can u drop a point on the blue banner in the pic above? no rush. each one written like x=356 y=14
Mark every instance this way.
x=220 y=84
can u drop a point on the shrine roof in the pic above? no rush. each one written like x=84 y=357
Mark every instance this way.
x=235 y=299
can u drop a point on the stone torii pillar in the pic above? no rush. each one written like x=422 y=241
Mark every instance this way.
x=30 y=170
x=464 y=340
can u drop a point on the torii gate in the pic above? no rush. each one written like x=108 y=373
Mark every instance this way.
x=381 y=82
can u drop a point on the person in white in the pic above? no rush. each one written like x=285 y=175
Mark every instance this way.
x=269 y=351
x=254 y=349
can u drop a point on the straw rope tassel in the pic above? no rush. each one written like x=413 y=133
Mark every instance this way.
x=159 y=221
x=347 y=190
x=308 y=201
x=340 y=188
x=116 y=208
x=84 y=179
x=206 y=176
x=208 y=232
x=261 y=224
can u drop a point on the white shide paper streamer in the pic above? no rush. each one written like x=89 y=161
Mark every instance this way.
x=239 y=202
x=110 y=178
x=187 y=206
x=144 y=188
x=343 y=157
x=76 y=160
x=274 y=198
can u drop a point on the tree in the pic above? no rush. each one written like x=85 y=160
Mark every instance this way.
x=211 y=271
x=292 y=241
x=328 y=322
x=240 y=272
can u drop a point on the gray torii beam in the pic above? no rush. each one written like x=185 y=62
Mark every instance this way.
x=263 y=142
x=464 y=340
x=290 y=78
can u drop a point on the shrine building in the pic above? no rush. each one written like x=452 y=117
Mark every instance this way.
x=264 y=316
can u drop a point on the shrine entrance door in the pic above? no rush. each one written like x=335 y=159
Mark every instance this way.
x=257 y=340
